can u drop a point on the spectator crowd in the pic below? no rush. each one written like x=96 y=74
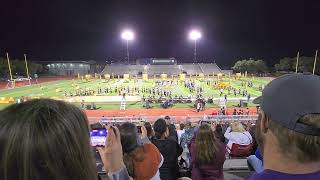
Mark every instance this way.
x=49 y=139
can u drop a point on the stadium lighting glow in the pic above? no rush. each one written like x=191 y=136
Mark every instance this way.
x=127 y=35
x=195 y=35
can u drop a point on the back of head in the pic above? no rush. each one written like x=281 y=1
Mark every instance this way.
x=160 y=127
x=148 y=127
x=173 y=131
x=187 y=123
x=237 y=127
x=130 y=146
x=129 y=136
x=167 y=119
x=184 y=178
x=181 y=126
x=45 y=139
x=289 y=122
x=300 y=147
x=219 y=129
x=206 y=144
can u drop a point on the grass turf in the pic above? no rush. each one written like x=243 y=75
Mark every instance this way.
x=50 y=89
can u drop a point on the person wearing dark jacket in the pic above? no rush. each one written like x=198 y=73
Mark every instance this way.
x=169 y=149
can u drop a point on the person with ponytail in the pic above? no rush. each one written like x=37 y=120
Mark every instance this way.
x=169 y=148
x=141 y=160
x=208 y=155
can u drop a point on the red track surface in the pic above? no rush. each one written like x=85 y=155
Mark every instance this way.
x=159 y=112
x=139 y=112
x=94 y=116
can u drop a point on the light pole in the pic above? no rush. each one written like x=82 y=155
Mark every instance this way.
x=127 y=35
x=195 y=35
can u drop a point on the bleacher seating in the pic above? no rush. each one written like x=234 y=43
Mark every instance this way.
x=118 y=69
x=233 y=168
x=135 y=69
x=166 y=69
x=190 y=69
x=209 y=68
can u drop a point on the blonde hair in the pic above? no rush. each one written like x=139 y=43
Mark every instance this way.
x=298 y=146
x=237 y=127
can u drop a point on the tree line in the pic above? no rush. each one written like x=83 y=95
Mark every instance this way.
x=285 y=64
x=18 y=68
x=251 y=66
x=289 y=64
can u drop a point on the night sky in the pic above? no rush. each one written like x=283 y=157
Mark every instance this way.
x=90 y=29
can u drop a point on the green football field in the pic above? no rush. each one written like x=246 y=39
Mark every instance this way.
x=58 y=88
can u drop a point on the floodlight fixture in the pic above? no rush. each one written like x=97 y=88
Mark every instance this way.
x=127 y=35
x=195 y=35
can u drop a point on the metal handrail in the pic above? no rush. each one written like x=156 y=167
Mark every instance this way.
x=175 y=119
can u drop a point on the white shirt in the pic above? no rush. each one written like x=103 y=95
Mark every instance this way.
x=244 y=138
x=180 y=132
x=198 y=105
x=157 y=175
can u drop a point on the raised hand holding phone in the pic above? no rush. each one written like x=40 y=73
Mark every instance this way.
x=144 y=132
x=111 y=154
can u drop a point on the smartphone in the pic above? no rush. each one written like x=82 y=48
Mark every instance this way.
x=98 y=137
x=139 y=129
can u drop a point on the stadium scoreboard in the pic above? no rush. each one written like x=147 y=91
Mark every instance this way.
x=157 y=61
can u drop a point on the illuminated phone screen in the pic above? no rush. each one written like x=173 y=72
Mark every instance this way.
x=98 y=137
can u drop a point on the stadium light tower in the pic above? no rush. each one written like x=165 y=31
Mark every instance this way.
x=127 y=35
x=195 y=35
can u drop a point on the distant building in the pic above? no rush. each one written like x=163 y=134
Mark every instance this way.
x=69 y=68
